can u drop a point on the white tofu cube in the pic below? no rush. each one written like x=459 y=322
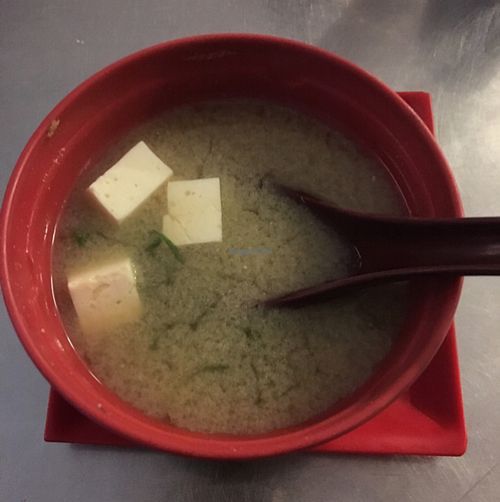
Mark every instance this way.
x=194 y=212
x=129 y=183
x=105 y=296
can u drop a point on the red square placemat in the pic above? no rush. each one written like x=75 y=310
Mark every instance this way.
x=428 y=419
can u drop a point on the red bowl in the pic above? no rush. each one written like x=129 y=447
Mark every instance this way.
x=92 y=117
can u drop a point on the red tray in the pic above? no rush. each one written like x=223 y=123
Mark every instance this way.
x=428 y=419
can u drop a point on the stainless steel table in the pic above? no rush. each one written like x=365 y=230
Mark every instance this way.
x=448 y=47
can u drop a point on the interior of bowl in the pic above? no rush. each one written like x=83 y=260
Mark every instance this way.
x=94 y=116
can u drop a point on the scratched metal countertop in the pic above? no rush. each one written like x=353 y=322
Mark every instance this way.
x=448 y=47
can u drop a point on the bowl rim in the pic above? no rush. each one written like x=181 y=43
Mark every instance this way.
x=182 y=441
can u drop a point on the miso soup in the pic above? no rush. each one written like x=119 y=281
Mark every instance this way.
x=200 y=354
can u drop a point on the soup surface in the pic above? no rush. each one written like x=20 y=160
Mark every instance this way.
x=202 y=356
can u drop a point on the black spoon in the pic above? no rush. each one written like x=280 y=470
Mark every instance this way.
x=392 y=249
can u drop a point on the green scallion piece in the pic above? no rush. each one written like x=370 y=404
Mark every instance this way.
x=158 y=238
x=80 y=238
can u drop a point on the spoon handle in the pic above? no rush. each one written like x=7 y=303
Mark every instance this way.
x=466 y=246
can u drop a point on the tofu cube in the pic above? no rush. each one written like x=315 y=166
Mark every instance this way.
x=105 y=296
x=128 y=184
x=194 y=212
